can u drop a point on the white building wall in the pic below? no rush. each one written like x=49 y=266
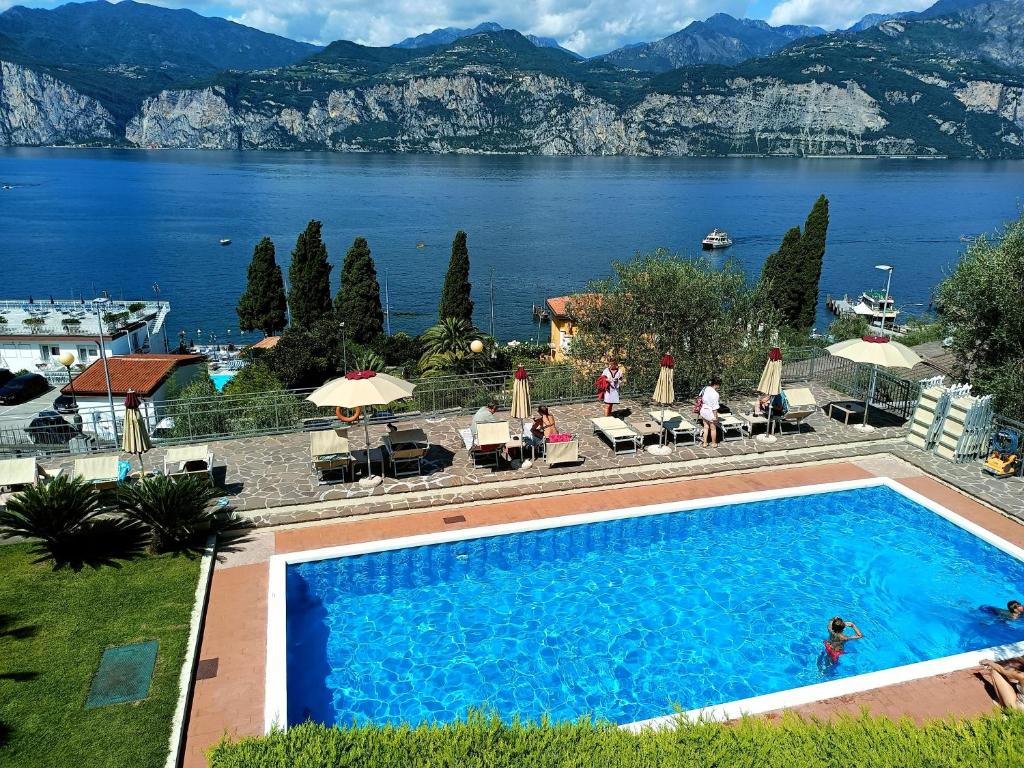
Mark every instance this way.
x=29 y=354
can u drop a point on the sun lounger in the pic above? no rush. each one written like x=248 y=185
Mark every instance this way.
x=567 y=452
x=801 y=405
x=675 y=424
x=18 y=473
x=102 y=471
x=491 y=438
x=328 y=452
x=618 y=433
x=406 y=448
x=189 y=461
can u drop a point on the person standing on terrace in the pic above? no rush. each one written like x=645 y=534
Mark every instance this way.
x=710 y=402
x=614 y=376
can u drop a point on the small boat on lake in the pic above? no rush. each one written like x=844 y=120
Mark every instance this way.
x=421 y=244
x=716 y=239
x=225 y=241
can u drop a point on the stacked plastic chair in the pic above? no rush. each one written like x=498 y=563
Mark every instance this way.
x=966 y=429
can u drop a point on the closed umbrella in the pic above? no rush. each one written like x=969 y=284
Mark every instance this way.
x=771 y=384
x=136 y=438
x=665 y=395
x=522 y=408
x=359 y=389
x=875 y=351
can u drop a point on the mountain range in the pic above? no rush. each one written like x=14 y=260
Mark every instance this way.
x=945 y=82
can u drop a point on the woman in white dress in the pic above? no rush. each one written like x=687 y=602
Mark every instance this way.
x=611 y=395
x=710 y=403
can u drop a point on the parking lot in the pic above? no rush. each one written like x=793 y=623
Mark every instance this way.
x=17 y=416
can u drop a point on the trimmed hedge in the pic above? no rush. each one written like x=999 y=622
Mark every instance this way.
x=486 y=742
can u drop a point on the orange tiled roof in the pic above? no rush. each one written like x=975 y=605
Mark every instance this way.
x=142 y=373
x=268 y=343
x=558 y=305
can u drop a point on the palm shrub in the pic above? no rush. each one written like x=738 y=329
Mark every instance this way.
x=174 y=511
x=56 y=513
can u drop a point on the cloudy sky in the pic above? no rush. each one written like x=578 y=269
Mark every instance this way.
x=586 y=26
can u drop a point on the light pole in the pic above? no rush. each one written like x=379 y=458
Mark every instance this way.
x=99 y=304
x=885 y=298
x=67 y=360
x=344 y=350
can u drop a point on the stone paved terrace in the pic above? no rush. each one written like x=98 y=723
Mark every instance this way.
x=269 y=481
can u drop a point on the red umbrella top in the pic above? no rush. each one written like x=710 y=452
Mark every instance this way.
x=132 y=400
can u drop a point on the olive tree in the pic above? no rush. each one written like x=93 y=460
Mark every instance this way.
x=713 y=321
x=982 y=308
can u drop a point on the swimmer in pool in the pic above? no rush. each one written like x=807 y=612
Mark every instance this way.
x=1014 y=610
x=835 y=646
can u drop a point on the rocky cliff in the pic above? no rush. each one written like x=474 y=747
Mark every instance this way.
x=38 y=109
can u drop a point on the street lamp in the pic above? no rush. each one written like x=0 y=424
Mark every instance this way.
x=885 y=298
x=99 y=304
x=344 y=350
x=67 y=360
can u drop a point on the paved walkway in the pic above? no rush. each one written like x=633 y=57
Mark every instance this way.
x=228 y=697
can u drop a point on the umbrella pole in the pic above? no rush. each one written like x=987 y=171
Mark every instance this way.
x=865 y=427
x=366 y=429
x=663 y=438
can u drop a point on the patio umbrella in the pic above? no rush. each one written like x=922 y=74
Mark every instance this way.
x=521 y=405
x=136 y=438
x=875 y=351
x=358 y=389
x=771 y=384
x=665 y=394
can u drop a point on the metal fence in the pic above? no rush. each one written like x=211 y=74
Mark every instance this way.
x=268 y=413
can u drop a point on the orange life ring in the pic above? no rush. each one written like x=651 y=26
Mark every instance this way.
x=347 y=419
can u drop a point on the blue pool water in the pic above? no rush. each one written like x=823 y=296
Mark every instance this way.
x=625 y=619
x=220 y=379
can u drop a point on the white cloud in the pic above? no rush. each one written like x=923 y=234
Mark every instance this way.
x=833 y=15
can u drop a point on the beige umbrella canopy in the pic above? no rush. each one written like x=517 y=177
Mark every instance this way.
x=358 y=389
x=664 y=394
x=522 y=408
x=771 y=376
x=875 y=351
x=136 y=438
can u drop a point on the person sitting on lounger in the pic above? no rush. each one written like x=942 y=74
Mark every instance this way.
x=484 y=416
x=835 y=646
x=1008 y=684
x=543 y=423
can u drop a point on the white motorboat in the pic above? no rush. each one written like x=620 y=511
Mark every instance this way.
x=225 y=241
x=716 y=238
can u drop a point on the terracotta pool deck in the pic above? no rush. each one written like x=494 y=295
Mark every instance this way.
x=228 y=695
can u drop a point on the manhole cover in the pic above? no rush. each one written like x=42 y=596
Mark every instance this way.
x=124 y=675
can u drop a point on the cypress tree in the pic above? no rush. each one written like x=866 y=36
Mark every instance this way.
x=263 y=306
x=455 y=296
x=780 y=273
x=358 y=301
x=309 y=295
x=812 y=254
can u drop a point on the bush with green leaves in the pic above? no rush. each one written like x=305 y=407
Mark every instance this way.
x=198 y=410
x=848 y=326
x=56 y=513
x=993 y=741
x=175 y=510
x=982 y=307
x=446 y=349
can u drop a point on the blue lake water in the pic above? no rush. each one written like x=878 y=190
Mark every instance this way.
x=81 y=221
x=624 y=619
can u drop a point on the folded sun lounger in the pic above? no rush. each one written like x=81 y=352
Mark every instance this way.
x=329 y=452
x=618 y=433
x=801 y=405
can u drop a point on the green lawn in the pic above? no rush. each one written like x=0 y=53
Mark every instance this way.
x=53 y=628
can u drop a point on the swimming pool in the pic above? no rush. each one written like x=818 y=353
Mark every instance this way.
x=627 y=615
x=221 y=378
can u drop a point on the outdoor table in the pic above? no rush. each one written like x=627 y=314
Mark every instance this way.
x=515 y=443
x=647 y=429
x=359 y=459
x=847 y=409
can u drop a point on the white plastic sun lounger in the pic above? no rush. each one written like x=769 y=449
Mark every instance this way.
x=675 y=424
x=189 y=460
x=801 y=405
x=328 y=452
x=618 y=433
x=491 y=440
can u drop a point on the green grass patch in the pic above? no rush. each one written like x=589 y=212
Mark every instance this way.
x=486 y=742
x=54 y=626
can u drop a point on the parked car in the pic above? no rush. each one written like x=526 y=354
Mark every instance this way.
x=5 y=376
x=50 y=428
x=65 y=404
x=22 y=388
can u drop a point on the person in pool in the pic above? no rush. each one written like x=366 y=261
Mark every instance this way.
x=1013 y=611
x=835 y=646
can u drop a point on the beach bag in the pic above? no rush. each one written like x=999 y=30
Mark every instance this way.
x=699 y=402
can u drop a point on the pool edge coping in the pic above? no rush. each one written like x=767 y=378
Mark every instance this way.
x=275 y=692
